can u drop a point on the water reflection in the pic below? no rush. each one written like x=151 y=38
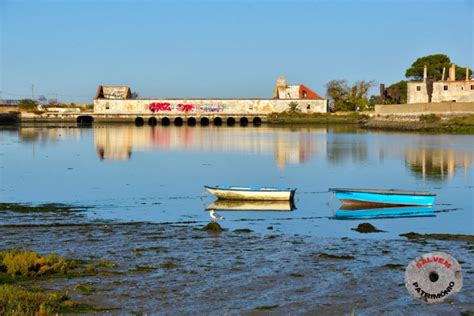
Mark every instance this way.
x=432 y=157
x=437 y=164
x=234 y=205
x=354 y=212
x=427 y=157
x=288 y=147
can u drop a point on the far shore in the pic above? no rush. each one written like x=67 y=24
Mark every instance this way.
x=440 y=122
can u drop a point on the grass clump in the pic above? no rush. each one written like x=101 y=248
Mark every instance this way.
x=20 y=301
x=31 y=264
x=316 y=118
x=429 y=118
x=106 y=264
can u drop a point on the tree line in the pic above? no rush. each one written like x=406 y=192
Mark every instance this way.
x=343 y=96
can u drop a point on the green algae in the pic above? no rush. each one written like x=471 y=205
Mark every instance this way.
x=213 y=227
x=412 y=235
x=40 y=208
x=331 y=256
x=266 y=307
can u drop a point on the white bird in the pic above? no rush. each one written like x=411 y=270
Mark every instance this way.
x=215 y=217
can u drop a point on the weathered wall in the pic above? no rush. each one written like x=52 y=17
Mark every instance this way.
x=459 y=91
x=417 y=92
x=420 y=108
x=201 y=106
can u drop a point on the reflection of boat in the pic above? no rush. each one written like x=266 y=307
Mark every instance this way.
x=351 y=212
x=383 y=197
x=227 y=192
x=235 y=205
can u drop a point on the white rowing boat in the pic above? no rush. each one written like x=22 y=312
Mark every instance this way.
x=225 y=192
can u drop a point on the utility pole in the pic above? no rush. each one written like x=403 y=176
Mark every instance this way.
x=32 y=91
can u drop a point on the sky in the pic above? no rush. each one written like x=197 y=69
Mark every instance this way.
x=220 y=48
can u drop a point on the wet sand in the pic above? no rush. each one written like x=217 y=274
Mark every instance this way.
x=177 y=268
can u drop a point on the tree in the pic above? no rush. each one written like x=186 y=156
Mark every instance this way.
x=337 y=92
x=435 y=64
x=345 y=98
x=134 y=95
x=292 y=107
x=42 y=99
x=27 y=104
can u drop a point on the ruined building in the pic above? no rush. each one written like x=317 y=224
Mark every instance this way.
x=450 y=90
x=119 y=100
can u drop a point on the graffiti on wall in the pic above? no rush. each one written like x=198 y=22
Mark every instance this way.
x=159 y=107
x=213 y=108
x=186 y=108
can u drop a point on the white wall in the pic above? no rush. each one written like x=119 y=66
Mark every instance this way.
x=211 y=106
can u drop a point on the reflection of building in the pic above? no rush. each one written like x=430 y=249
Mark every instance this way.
x=450 y=90
x=118 y=142
x=437 y=164
x=431 y=158
x=48 y=134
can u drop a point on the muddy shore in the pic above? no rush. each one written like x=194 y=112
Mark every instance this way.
x=177 y=268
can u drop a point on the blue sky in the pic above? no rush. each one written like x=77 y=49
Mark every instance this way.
x=220 y=48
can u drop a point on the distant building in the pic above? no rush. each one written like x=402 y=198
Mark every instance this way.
x=293 y=91
x=450 y=90
x=9 y=102
x=119 y=100
x=113 y=92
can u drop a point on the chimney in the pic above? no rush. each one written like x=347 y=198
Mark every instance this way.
x=444 y=74
x=425 y=73
x=281 y=82
x=467 y=74
x=452 y=73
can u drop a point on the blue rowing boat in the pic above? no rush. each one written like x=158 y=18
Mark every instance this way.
x=383 y=197
x=351 y=212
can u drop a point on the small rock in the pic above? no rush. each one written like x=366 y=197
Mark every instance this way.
x=243 y=230
x=366 y=228
x=213 y=227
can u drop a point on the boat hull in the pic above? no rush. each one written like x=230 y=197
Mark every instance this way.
x=367 y=198
x=251 y=195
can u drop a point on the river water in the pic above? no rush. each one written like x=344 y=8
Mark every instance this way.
x=157 y=174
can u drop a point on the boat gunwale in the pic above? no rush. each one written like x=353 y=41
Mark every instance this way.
x=381 y=191
x=251 y=190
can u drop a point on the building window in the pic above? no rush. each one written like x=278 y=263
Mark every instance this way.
x=304 y=94
x=418 y=88
x=308 y=107
x=445 y=88
x=472 y=86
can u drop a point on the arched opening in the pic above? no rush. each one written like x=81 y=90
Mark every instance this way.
x=257 y=121
x=178 y=121
x=152 y=121
x=244 y=121
x=139 y=121
x=217 y=121
x=165 y=121
x=191 y=121
x=85 y=119
x=204 y=121
x=231 y=121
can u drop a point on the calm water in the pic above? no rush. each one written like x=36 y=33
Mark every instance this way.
x=157 y=174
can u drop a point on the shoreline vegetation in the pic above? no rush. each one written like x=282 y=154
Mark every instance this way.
x=46 y=277
x=429 y=123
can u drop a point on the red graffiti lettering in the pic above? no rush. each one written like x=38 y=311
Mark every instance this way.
x=185 y=107
x=157 y=107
